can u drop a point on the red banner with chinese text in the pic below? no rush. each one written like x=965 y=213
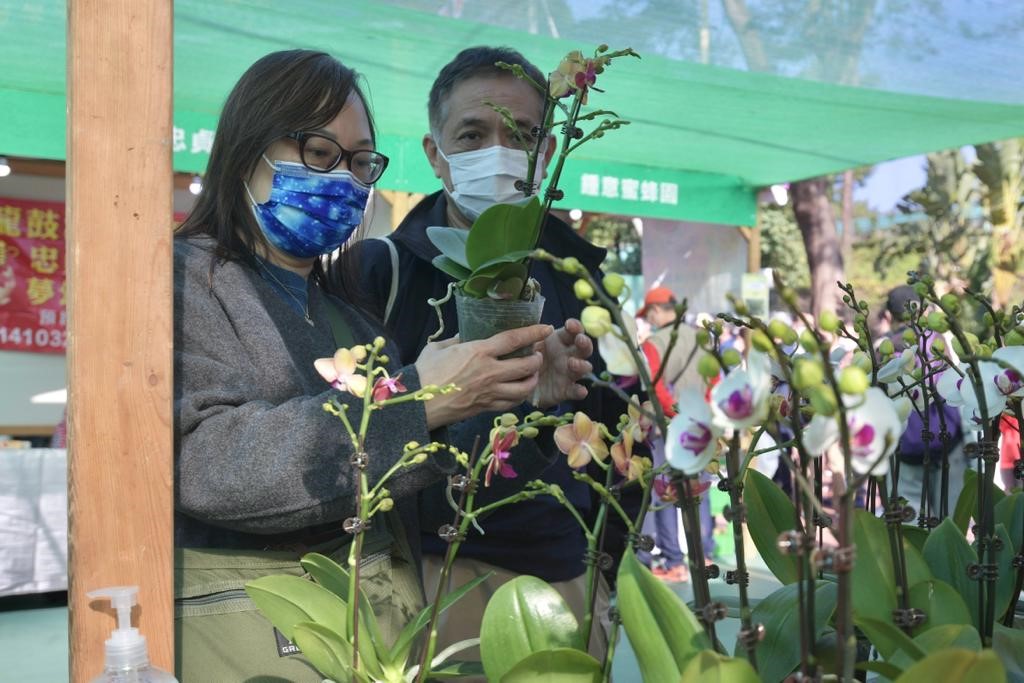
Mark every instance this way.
x=32 y=312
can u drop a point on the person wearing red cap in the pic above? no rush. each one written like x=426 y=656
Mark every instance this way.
x=659 y=310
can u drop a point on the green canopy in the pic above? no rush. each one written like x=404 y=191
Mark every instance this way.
x=703 y=136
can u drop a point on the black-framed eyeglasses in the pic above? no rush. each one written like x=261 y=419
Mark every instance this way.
x=322 y=154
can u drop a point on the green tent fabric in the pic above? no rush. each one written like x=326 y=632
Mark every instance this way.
x=703 y=137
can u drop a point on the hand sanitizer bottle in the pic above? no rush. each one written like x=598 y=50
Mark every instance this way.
x=127 y=660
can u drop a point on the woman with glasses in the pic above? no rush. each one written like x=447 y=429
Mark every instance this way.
x=263 y=473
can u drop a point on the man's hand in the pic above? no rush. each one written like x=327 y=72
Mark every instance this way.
x=565 y=363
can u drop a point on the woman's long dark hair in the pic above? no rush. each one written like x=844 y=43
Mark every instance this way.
x=283 y=92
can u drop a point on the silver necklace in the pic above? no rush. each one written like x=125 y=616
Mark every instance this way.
x=288 y=290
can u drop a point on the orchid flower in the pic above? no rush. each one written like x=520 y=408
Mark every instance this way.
x=692 y=436
x=341 y=370
x=638 y=420
x=767 y=461
x=581 y=440
x=958 y=391
x=615 y=352
x=664 y=489
x=1010 y=381
x=875 y=428
x=741 y=399
x=898 y=366
x=386 y=387
x=503 y=440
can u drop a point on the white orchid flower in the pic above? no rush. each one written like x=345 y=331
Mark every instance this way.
x=898 y=366
x=1010 y=381
x=820 y=434
x=875 y=427
x=741 y=399
x=767 y=462
x=692 y=437
x=616 y=354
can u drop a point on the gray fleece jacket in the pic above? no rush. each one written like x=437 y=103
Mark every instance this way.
x=258 y=461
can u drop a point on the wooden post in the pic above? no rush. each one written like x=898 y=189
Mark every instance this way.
x=401 y=204
x=753 y=237
x=120 y=208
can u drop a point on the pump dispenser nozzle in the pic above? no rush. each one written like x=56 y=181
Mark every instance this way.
x=126 y=647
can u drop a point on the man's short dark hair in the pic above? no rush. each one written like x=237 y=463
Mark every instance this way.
x=474 y=61
x=899 y=298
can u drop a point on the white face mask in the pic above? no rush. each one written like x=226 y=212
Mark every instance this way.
x=485 y=177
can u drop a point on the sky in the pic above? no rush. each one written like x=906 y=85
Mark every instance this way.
x=889 y=181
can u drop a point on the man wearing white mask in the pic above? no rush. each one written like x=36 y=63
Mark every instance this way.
x=478 y=161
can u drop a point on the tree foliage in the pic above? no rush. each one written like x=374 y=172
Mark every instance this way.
x=620 y=238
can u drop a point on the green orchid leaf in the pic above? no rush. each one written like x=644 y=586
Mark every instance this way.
x=1008 y=643
x=451 y=242
x=447 y=265
x=663 y=632
x=967 y=503
x=1010 y=513
x=523 y=616
x=956 y=665
x=1007 y=574
x=940 y=638
x=484 y=279
x=290 y=600
x=506 y=289
x=888 y=639
x=769 y=513
x=886 y=669
x=334 y=578
x=873 y=575
x=779 y=653
x=327 y=651
x=563 y=665
x=941 y=604
x=948 y=555
x=917 y=566
x=403 y=644
x=915 y=535
x=502 y=229
x=710 y=667
x=457 y=670
x=505 y=259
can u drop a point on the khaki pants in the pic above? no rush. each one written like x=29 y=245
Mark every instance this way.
x=222 y=638
x=462 y=620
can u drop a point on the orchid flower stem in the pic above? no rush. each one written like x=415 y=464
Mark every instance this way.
x=595 y=540
x=465 y=503
x=895 y=533
x=606 y=497
x=1019 y=583
x=985 y=514
x=738 y=517
x=695 y=553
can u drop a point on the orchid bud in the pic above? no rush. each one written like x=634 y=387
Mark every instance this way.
x=703 y=338
x=862 y=360
x=910 y=337
x=359 y=353
x=535 y=415
x=807 y=373
x=1014 y=338
x=761 y=342
x=570 y=265
x=508 y=420
x=613 y=283
x=808 y=341
x=383 y=359
x=596 y=320
x=886 y=348
x=708 y=366
x=987 y=319
x=583 y=290
x=386 y=505
x=937 y=322
x=412 y=445
x=741 y=307
x=378 y=343
x=823 y=400
x=828 y=320
x=939 y=346
x=950 y=301
x=731 y=357
x=529 y=432
x=777 y=328
x=418 y=459
x=853 y=380
x=921 y=289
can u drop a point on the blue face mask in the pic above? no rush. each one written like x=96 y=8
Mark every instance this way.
x=310 y=214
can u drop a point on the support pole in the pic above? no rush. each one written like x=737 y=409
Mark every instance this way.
x=120 y=209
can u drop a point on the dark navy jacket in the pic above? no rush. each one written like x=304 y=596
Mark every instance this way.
x=538 y=537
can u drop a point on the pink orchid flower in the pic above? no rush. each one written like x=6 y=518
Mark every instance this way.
x=386 y=387
x=341 y=371
x=581 y=441
x=664 y=489
x=502 y=443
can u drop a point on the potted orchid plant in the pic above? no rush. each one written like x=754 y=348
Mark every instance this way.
x=490 y=261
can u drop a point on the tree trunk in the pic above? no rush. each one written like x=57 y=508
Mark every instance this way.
x=849 y=231
x=813 y=211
